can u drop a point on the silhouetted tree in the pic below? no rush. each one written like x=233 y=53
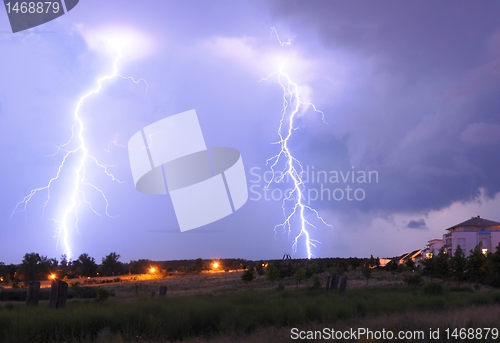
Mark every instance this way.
x=64 y=265
x=430 y=268
x=198 y=265
x=4 y=273
x=86 y=265
x=442 y=264
x=458 y=263
x=493 y=268
x=110 y=264
x=30 y=268
x=372 y=262
x=476 y=264
x=139 y=267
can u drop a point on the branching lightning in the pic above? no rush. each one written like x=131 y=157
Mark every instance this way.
x=69 y=219
x=293 y=106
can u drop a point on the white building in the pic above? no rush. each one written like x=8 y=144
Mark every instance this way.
x=468 y=234
x=433 y=247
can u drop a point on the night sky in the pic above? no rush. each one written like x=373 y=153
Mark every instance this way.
x=409 y=92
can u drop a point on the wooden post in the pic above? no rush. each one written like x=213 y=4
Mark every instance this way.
x=62 y=294
x=153 y=294
x=327 y=287
x=163 y=291
x=33 y=292
x=58 y=294
x=53 y=294
x=335 y=282
x=343 y=285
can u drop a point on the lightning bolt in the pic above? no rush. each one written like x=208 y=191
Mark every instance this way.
x=69 y=219
x=293 y=107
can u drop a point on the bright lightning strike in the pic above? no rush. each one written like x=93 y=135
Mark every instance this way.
x=293 y=106
x=68 y=220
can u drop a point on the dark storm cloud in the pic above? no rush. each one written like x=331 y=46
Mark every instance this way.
x=409 y=90
x=417 y=224
x=425 y=114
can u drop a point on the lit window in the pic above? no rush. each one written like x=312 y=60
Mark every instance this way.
x=428 y=255
x=485 y=251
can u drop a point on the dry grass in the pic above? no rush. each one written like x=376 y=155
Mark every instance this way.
x=225 y=282
x=475 y=316
x=228 y=282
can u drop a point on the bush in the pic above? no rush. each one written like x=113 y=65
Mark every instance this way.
x=280 y=287
x=248 y=275
x=433 y=288
x=413 y=280
x=101 y=294
x=316 y=283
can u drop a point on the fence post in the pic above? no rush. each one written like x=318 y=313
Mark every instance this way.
x=33 y=292
x=163 y=291
x=58 y=294
x=335 y=282
x=62 y=294
x=327 y=287
x=343 y=285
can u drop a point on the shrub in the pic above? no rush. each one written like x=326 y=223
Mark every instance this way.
x=413 y=280
x=248 y=275
x=316 y=283
x=101 y=294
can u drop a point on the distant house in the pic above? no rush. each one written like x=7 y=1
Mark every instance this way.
x=433 y=247
x=415 y=256
x=468 y=235
x=383 y=261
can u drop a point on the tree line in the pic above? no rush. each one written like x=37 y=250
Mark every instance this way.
x=36 y=267
x=478 y=267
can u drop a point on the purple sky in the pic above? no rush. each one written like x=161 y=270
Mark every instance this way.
x=409 y=90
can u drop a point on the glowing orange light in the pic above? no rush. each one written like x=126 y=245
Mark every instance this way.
x=52 y=276
x=215 y=265
x=152 y=270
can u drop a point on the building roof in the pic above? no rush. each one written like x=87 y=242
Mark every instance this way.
x=476 y=221
x=436 y=240
x=412 y=254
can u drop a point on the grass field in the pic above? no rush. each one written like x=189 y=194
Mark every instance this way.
x=221 y=308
